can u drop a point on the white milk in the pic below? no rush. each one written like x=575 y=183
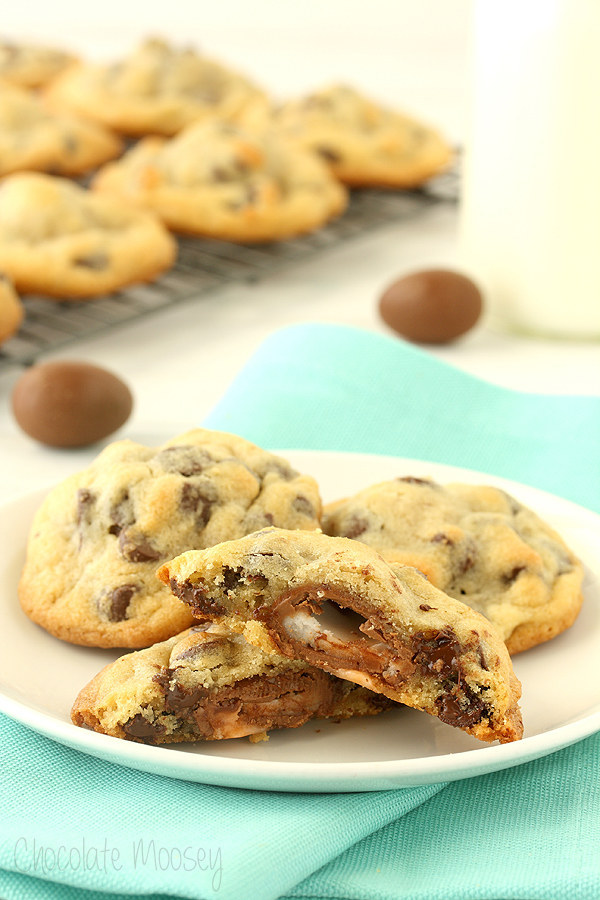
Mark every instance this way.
x=530 y=218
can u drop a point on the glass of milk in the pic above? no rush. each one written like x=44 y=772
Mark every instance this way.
x=530 y=214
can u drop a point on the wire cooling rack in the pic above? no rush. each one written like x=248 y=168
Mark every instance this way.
x=205 y=265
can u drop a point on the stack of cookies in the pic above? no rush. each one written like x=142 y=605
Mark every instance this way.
x=248 y=607
x=216 y=157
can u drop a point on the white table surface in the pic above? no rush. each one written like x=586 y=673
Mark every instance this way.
x=179 y=362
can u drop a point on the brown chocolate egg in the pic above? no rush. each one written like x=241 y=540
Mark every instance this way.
x=70 y=404
x=431 y=307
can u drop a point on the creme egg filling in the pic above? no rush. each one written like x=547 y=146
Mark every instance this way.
x=347 y=643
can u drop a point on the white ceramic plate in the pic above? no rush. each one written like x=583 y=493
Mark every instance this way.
x=40 y=676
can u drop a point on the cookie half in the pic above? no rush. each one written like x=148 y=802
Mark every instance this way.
x=33 y=137
x=59 y=240
x=339 y=606
x=98 y=538
x=219 y=180
x=366 y=144
x=209 y=684
x=158 y=89
x=476 y=543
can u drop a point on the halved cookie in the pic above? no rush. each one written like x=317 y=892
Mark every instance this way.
x=158 y=89
x=338 y=605
x=476 y=543
x=32 y=137
x=59 y=240
x=219 y=180
x=98 y=537
x=365 y=143
x=210 y=684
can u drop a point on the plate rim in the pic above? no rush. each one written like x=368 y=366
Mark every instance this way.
x=307 y=776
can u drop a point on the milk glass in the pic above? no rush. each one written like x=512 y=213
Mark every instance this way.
x=530 y=214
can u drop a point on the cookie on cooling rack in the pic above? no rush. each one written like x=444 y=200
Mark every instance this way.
x=365 y=143
x=209 y=684
x=60 y=240
x=339 y=606
x=218 y=180
x=159 y=89
x=98 y=538
x=32 y=137
x=31 y=65
x=11 y=309
x=477 y=544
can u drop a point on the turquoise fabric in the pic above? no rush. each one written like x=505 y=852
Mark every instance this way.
x=528 y=832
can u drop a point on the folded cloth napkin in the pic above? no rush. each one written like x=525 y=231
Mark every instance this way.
x=73 y=826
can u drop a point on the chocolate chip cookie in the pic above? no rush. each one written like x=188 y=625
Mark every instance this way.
x=218 y=180
x=58 y=239
x=98 y=538
x=32 y=137
x=159 y=89
x=365 y=143
x=477 y=544
x=336 y=604
x=209 y=684
x=11 y=309
x=31 y=65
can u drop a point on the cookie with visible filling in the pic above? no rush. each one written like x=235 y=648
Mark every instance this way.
x=339 y=606
x=209 y=684
x=11 y=309
x=31 y=65
x=366 y=144
x=33 y=137
x=218 y=180
x=98 y=538
x=158 y=89
x=476 y=543
x=60 y=240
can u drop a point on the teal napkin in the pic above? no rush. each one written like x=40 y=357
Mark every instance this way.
x=529 y=832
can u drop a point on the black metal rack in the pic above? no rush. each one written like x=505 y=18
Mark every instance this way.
x=204 y=265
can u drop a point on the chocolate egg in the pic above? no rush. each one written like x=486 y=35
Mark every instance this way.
x=70 y=404
x=431 y=307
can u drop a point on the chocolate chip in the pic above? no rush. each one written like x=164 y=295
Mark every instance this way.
x=412 y=479
x=441 y=538
x=200 y=500
x=95 y=261
x=140 y=727
x=219 y=174
x=468 y=560
x=118 y=602
x=232 y=578
x=135 y=547
x=302 y=505
x=511 y=577
x=437 y=653
x=186 y=460
x=425 y=607
x=121 y=513
x=452 y=712
x=332 y=156
x=70 y=143
x=198 y=650
x=196 y=597
x=85 y=502
x=281 y=468
x=356 y=526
